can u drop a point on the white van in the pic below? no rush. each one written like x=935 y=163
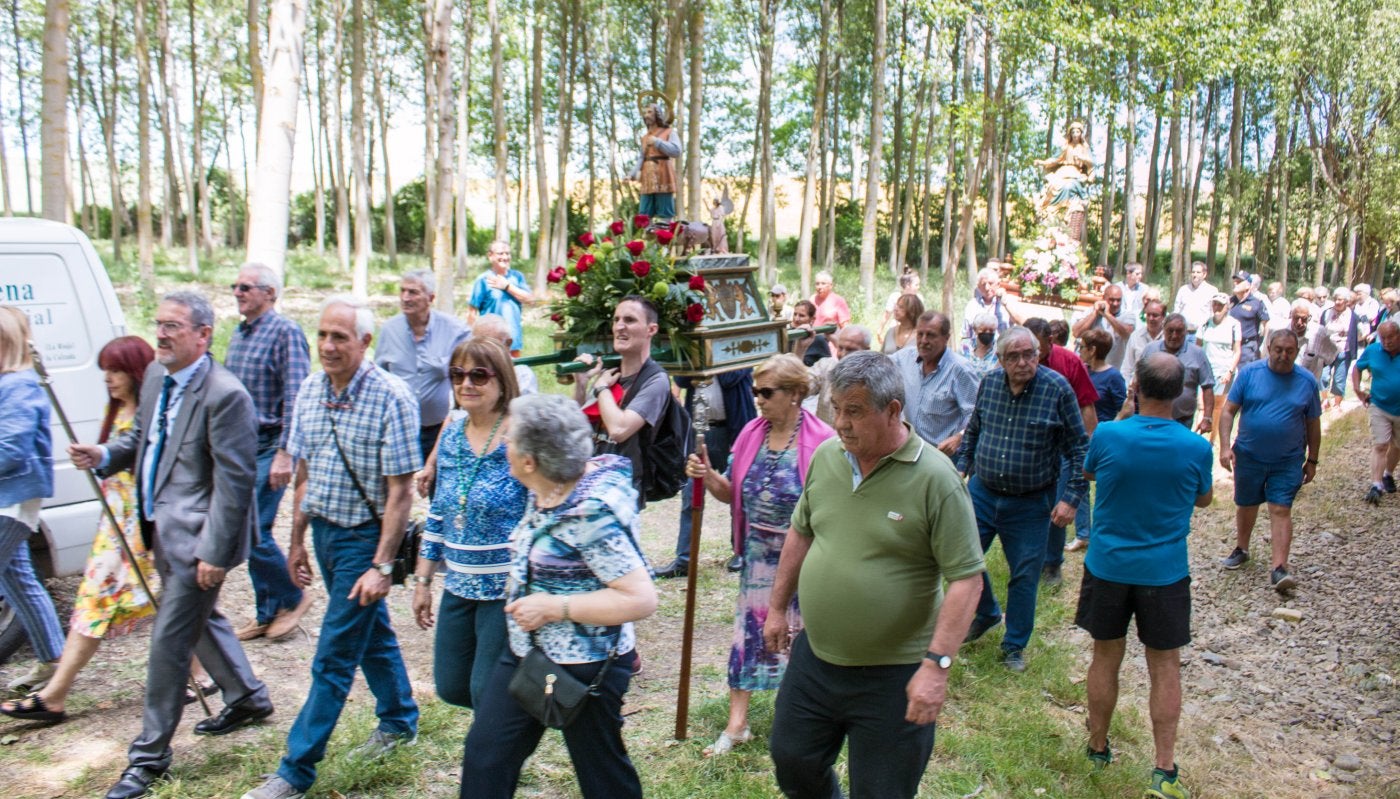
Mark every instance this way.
x=51 y=271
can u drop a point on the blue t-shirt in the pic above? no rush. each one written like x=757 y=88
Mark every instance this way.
x=1149 y=472
x=498 y=301
x=1385 y=377
x=1113 y=392
x=1274 y=410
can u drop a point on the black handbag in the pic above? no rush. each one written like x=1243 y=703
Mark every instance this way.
x=545 y=689
x=406 y=559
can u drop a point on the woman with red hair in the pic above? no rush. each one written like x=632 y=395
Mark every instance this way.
x=110 y=598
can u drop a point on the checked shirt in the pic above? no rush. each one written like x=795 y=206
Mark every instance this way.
x=1014 y=443
x=269 y=356
x=376 y=418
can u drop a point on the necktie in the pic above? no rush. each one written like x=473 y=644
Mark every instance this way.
x=148 y=501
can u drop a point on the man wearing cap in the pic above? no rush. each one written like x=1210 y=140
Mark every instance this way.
x=778 y=309
x=1253 y=315
x=1193 y=298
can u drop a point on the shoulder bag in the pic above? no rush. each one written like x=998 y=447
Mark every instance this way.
x=406 y=559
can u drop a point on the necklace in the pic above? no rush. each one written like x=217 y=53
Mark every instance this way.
x=773 y=456
x=463 y=489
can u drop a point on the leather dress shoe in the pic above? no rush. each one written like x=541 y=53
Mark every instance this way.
x=231 y=718
x=735 y=564
x=676 y=568
x=136 y=781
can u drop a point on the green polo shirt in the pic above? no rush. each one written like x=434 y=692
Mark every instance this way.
x=872 y=582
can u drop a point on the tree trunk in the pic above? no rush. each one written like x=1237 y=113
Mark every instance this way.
x=814 y=152
x=1232 y=239
x=693 y=175
x=145 y=230
x=342 y=187
x=1106 y=220
x=270 y=194
x=1153 y=206
x=891 y=193
x=206 y=236
x=360 y=275
x=542 y=239
x=498 y=114
x=768 y=213
x=464 y=135
x=568 y=22
x=54 y=123
x=828 y=259
x=1128 y=243
x=170 y=197
x=1281 y=155
x=20 y=81
x=876 y=146
x=5 y=174
x=446 y=132
x=255 y=64
x=391 y=229
x=111 y=90
x=1216 y=192
x=906 y=217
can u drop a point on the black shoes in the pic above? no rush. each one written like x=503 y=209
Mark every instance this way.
x=735 y=564
x=676 y=568
x=1281 y=580
x=136 y=781
x=231 y=718
x=979 y=628
x=1050 y=575
x=1373 y=496
x=1388 y=480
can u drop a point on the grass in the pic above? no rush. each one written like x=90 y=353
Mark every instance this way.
x=1000 y=735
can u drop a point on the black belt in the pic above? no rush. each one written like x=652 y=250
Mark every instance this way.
x=1013 y=495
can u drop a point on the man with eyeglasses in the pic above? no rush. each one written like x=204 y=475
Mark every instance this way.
x=503 y=291
x=1315 y=348
x=853 y=338
x=269 y=355
x=193 y=452
x=355 y=439
x=416 y=346
x=1026 y=424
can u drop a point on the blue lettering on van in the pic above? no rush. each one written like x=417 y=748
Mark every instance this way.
x=17 y=292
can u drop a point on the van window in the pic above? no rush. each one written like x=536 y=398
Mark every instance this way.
x=40 y=285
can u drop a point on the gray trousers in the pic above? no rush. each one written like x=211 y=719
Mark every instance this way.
x=188 y=622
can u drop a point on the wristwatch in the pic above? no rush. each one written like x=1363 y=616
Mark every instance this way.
x=944 y=662
x=386 y=568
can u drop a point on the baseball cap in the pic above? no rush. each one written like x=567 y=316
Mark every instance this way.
x=778 y=289
x=1241 y=276
x=1221 y=297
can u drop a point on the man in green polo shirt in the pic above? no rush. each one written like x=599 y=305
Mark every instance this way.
x=884 y=518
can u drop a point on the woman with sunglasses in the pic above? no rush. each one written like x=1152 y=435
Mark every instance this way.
x=768 y=465
x=475 y=507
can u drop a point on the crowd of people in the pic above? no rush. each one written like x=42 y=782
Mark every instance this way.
x=931 y=448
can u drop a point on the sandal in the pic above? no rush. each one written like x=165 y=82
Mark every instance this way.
x=726 y=743
x=207 y=689
x=32 y=708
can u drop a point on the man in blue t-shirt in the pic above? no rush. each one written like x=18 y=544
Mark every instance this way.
x=1382 y=360
x=501 y=290
x=1137 y=563
x=1280 y=416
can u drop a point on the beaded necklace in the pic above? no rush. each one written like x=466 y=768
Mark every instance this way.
x=772 y=456
x=465 y=488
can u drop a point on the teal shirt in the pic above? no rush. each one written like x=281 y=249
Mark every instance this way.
x=1385 y=377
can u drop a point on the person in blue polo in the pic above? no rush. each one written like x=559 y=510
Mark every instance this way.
x=1382 y=359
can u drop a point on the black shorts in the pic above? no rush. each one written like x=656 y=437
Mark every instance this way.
x=1163 y=611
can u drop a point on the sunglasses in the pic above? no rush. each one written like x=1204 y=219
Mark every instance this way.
x=766 y=393
x=478 y=375
x=245 y=287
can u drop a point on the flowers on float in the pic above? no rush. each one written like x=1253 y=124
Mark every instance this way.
x=697 y=283
x=617 y=227
x=641 y=268
x=635 y=247
x=586 y=239
x=556 y=275
x=572 y=289
x=640 y=221
x=1052 y=265
x=664 y=236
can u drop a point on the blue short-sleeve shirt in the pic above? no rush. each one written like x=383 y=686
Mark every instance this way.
x=498 y=301
x=1274 y=411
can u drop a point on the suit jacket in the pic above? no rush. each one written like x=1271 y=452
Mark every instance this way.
x=205 y=484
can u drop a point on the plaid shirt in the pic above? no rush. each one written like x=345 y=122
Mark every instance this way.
x=1015 y=442
x=376 y=422
x=269 y=356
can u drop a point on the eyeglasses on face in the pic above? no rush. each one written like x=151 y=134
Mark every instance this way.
x=766 y=393
x=167 y=328
x=478 y=375
x=244 y=288
x=1016 y=356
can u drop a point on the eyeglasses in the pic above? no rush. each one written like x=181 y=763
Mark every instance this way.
x=1018 y=356
x=245 y=287
x=766 y=393
x=167 y=328
x=478 y=375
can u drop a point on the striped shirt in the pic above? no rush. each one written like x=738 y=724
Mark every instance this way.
x=474 y=510
x=376 y=422
x=1015 y=442
x=269 y=356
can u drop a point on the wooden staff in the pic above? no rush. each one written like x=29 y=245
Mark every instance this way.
x=700 y=421
x=119 y=531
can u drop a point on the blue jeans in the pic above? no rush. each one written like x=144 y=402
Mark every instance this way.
x=21 y=587
x=351 y=636
x=470 y=639
x=503 y=736
x=718 y=440
x=1055 y=538
x=1020 y=521
x=273 y=589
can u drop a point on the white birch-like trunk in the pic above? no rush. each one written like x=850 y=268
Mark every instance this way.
x=270 y=194
x=54 y=122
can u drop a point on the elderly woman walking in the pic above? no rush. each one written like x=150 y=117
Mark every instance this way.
x=476 y=506
x=577 y=582
x=769 y=463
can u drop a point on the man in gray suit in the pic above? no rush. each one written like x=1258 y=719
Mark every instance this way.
x=193 y=451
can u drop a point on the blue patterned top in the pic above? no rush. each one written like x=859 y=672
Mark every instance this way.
x=771 y=488
x=472 y=531
x=578 y=546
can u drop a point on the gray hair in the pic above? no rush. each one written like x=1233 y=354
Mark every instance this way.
x=1013 y=334
x=1362 y=288
x=201 y=312
x=495 y=326
x=364 y=317
x=1301 y=304
x=1160 y=376
x=873 y=371
x=861 y=332
x=984 y=319
x=825 y=274
x=1342 y=292
x=424 y=277
x=267 y=276
x=989 y=273
x=553 y=430
x=1174 y=317
x=501 y=244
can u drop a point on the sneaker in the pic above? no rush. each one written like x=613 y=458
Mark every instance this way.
x=1373 y=496
x=1163 y=787
x=1235 y=559
x=381 y=743
x=35 y=679
x=274 y=788
x=1050 y=575
x=1281 y=580
x=1077 y=545
x=1388 y=480
x=1014 y=659
x=979 y=628
x=1100 y=759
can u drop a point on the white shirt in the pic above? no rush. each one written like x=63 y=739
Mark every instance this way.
x=1194 y=304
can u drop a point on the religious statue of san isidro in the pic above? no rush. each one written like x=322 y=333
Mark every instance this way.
x=656 y=168
x=1064 y=202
